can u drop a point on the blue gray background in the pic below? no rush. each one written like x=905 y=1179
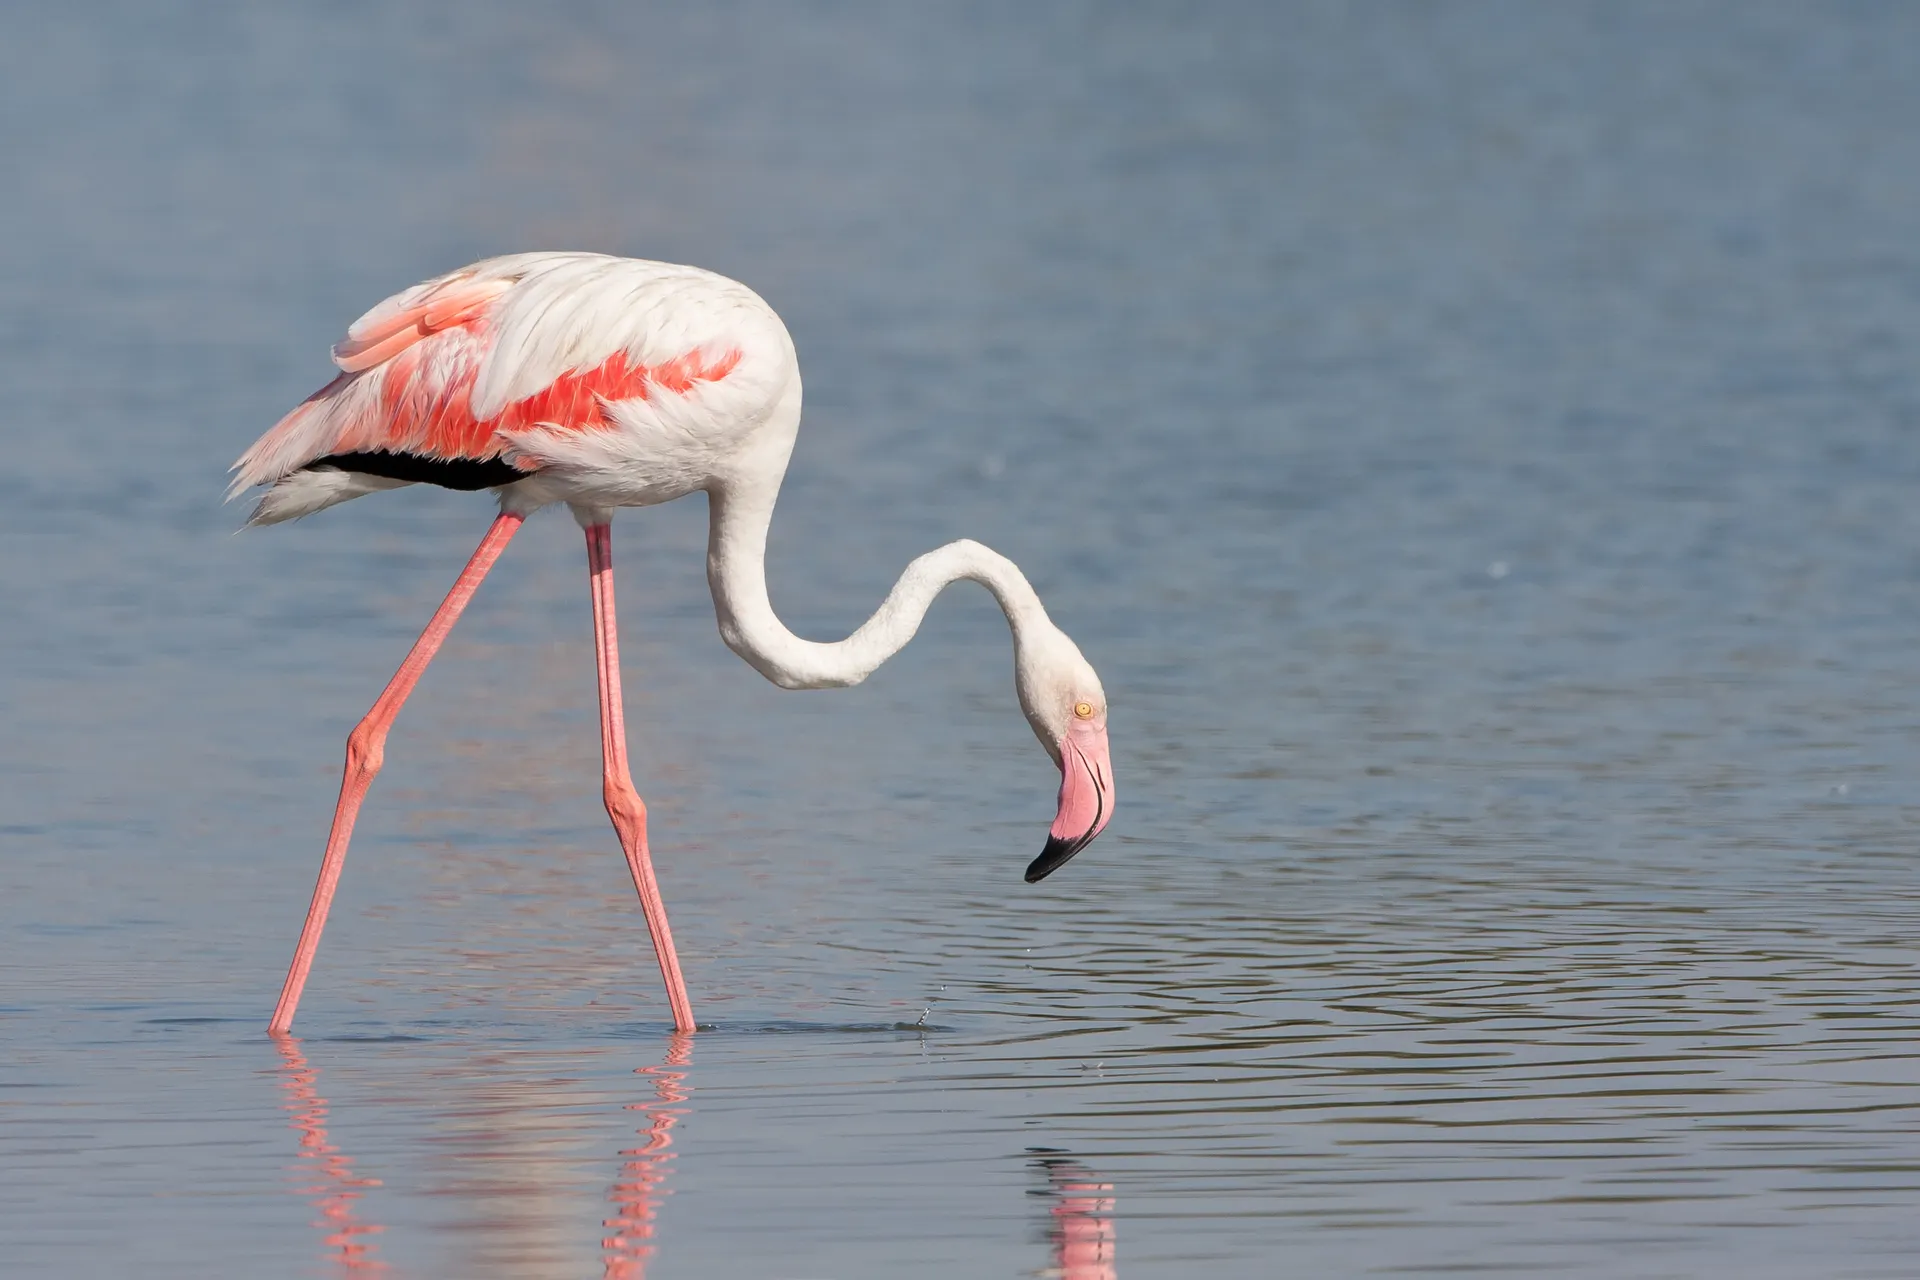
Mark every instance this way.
x=1475 y=443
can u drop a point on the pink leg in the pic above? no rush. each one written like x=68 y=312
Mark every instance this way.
x=624 y=806
x=366 y=748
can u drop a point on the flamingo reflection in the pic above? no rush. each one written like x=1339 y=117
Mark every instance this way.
x=333 y=1186
x=1079 y=1218
x=640 y=1188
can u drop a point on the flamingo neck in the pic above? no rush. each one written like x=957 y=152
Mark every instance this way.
x=739 y=514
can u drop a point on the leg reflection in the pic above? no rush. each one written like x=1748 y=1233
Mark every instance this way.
x=327 y=1174
x=1079 y=1218
x=640 y=1189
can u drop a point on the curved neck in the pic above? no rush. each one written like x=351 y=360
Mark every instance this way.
x=739 y=514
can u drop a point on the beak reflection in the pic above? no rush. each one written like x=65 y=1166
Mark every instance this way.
x=1080 y=1212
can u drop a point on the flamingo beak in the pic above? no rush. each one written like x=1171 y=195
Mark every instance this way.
x=1086 y=798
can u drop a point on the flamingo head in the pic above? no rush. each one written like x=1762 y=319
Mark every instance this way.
x=1067 y=708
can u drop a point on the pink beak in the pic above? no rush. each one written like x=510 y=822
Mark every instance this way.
x=1086 y=797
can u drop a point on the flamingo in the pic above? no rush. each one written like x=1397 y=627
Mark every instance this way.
x=605 y=382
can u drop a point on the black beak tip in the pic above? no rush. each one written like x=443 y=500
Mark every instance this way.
x=1053 y=857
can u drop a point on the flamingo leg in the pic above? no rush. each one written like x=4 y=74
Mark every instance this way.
x=366 y=749
x=624 y=805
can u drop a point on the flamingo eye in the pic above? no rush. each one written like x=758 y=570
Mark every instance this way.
x=1084 y=710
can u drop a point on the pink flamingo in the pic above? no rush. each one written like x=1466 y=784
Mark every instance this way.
x=607 y=382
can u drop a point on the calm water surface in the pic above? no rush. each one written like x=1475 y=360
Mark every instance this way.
x=1476 y=445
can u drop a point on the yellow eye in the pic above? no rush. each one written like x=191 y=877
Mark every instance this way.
x=1084 y=710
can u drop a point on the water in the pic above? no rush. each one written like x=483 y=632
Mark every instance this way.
x=1475 y=444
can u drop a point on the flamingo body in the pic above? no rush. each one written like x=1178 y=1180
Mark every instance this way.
x=573 y=377
x=603 y=383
